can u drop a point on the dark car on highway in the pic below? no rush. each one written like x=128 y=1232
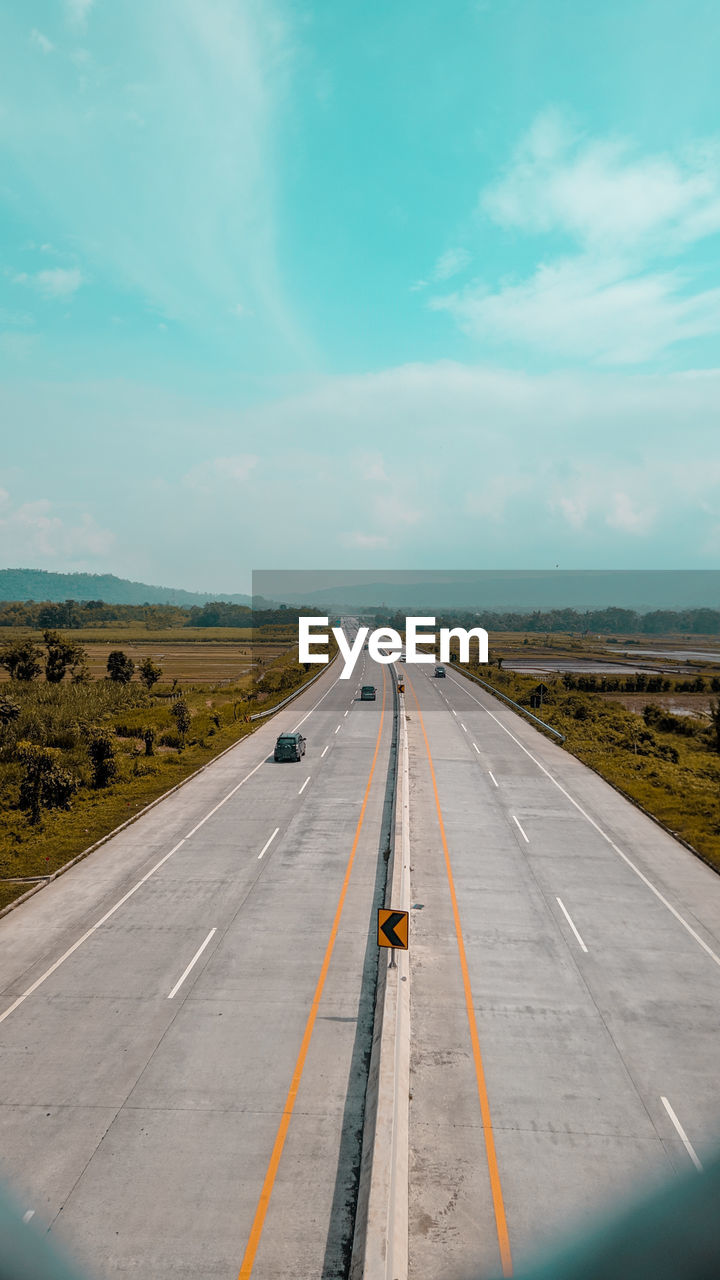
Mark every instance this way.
x=367 y=693
x=439 y=673
x=289 y=746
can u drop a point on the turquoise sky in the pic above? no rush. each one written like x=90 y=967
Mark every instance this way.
x=364 y=284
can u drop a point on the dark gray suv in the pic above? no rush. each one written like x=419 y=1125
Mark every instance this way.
x=289 y=746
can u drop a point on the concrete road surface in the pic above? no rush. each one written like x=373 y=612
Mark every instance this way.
x=150 y=1063
x=565 y=1008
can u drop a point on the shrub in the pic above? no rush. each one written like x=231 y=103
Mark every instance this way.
x=9 y=711
x=101 y=750
x=45 y=784
x=180 y=712
x=22 y=659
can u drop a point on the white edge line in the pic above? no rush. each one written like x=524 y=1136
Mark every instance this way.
x=304 y=785
x=89 y=932
x=492 y=775
x=338 y=728
x=194 y=961
x=685 y=1140
x=316 y=704
x=661 y=897
x=267 y=844
x=522 y=833
x=566 y=914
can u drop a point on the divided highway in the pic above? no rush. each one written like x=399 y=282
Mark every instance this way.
x=565 y=997
x=186 y=1016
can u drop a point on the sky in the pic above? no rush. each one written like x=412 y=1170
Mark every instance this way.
x=320 y=285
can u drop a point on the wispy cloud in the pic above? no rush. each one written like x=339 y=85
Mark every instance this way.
x=604 y=193
x=451 y=263
x=589 y=309
x=200 y=231
x=40 y=41
x=77 y=11
x=611 y=295
x=37 y=533
x=57 y=282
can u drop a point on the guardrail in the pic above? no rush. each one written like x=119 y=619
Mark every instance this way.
x=516 y=705
x=260 y=715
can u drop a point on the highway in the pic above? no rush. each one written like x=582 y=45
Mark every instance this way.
x=565 y=1011
x=186 y=1015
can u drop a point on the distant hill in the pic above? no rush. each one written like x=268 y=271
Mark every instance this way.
x=522 y=590
x=39 y=584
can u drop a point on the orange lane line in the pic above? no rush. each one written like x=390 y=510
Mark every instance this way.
x=495 y=1184
x=267 y=1187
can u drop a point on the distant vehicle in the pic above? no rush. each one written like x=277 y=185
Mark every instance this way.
x=367 y=693
x=439 y=673
x=289 y=746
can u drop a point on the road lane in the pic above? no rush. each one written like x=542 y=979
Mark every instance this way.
x=139 y=1127
x=579 y=1047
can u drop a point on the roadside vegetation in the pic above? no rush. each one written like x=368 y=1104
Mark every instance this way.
x=80 y=755
x=667 y=763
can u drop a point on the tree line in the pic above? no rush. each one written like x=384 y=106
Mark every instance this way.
x=71 y=615
x=609 y=621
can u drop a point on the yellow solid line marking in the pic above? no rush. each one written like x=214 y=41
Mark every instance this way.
x=493 y=1170
x=267 y=1187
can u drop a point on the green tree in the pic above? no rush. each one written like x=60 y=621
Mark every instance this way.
x=45 y=783
x=62 y=656
x=149 y=735
x=181 y=712
x=120 y=667
x=22 y=659
x=101 y=750
x=150 y=672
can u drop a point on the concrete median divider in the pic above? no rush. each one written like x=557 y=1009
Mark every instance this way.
x=380 y=1245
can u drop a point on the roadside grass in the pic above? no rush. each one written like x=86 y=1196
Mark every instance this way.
x=673 y=772
x=62 y=717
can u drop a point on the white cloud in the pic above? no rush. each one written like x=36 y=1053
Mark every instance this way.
x=365 y=541
x=610 y=295
x=626 y=515
x=235 y=469
x=56 y=282
x=603 y=194
x=77 y=11
x=34 y=533
x=40 y=41
x=588 y=309
x=451 y=263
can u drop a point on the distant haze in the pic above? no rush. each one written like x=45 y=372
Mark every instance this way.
x=521 y=590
